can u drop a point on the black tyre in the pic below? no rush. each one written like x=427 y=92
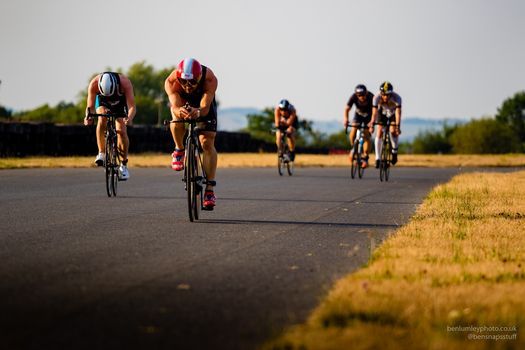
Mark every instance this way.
x=354 y=161
x=289 y=167
x=108 y=166
x=280 y=165
x=190 y=184
x=197 y=187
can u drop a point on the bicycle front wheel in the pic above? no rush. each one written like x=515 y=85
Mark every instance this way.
x=109 y=165
x=198 y=192
x=385 y=160
x=354 y=161
x=190 y=177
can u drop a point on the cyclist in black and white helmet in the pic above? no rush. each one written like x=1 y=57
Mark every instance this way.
x=362 y=99
x=286 y=121
x=111 y=92
x=387 y=105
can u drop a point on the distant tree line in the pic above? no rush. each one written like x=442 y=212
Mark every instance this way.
x=503 y=133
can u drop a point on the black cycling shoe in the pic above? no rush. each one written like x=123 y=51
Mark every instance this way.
x=377 y=163
x=394 y=158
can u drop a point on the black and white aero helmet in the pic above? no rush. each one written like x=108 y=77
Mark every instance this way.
x=107 y=84
x=284 y=104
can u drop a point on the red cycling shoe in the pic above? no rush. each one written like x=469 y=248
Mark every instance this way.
x=209 y=199
x=177 y=162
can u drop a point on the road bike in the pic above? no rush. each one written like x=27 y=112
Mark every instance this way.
x=386 y=151
x=194 y=178
x=357 y=149
x=284 y=159
x=113 y=159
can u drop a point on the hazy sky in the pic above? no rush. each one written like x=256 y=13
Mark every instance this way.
x=446 y=58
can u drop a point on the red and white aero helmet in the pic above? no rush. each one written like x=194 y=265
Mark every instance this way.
x=189 y=69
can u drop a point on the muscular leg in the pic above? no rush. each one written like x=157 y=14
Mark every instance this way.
x=395 y=138
x=278 y=141
x=366 y=144
x=353 y=131
x=378 y=141
x=177 y=131
x=101 y=130
x=123 y=139
x=209 y=163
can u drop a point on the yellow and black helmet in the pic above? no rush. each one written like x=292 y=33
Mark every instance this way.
x=386 y=88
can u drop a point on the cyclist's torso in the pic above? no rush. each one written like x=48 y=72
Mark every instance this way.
x=389 y=107
x=291 y=110
x=362 y=109
x=194 y=98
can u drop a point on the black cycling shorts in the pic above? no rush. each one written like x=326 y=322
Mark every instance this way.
x=118 y=106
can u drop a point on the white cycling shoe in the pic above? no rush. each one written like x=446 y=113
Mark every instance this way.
x=99 y=160
x=123 y=172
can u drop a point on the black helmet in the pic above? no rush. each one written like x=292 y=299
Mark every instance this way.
x=360 y=89
x=284 y=104
x=386 y=88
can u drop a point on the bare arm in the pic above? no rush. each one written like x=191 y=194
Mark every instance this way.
x=92 y=93
x=210 y=87
x=277 y=117
x=176 y=102
x=130 y=97
x=398 y=118
x=293 y=117
x=345 y=116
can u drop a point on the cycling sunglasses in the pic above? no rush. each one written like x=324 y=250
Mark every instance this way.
x=188 y=82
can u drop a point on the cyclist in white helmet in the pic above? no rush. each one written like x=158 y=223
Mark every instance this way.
x=111 y=92
x=286 y=121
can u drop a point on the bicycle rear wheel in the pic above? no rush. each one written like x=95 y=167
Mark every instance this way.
x=289 y=166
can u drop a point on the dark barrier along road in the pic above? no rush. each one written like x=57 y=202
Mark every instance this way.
x=80 y=270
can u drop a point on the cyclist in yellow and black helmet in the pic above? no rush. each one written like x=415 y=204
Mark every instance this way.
x=386 y=105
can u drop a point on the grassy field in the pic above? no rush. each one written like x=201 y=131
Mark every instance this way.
x=458 y=264
x=229 y=160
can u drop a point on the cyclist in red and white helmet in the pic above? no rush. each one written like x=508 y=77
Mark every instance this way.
x=112 y=92
x=191 y=90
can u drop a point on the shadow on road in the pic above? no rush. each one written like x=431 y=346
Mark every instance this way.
x=286 y=222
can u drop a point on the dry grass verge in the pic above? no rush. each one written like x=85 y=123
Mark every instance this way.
x=229 y=160
x=457 y=265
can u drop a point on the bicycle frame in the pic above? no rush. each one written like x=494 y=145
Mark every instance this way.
x=357 y=150
x=194 y=175
x=386 y=151
x=112 y=159
x=284 y=158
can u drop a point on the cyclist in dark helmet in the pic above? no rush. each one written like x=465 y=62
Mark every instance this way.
x=286 y=121
x=386 y=105
x=362 y=99
x=112 y=92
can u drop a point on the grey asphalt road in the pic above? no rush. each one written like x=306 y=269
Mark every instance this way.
x=79 y=270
